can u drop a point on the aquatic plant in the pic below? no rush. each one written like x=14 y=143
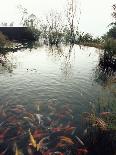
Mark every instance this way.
x=100 y=134
x=105 y=121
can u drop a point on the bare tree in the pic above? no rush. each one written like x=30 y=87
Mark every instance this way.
x=114 y=11
x=28 y=20
x=4 y=24
x=11 y=24
x=71 y=10
x=73 y=17
x=32 y=21
x=24 y=14
x=114 y=16
x=53 y=27
x=54 y=21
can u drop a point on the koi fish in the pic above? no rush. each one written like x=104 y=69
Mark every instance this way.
x=82 y=151
x=66 y=129
x=38 y=117
x=58 y=153
x=79 y=140
x=105 y=113
x=17 y=151
x=33 y=142
x=41 y=142
x=66 y=139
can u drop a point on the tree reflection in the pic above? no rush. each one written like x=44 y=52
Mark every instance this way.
x=106 y=68
x=6 y=63
x=56 y=51
x=106 y=79
x=64 y=55
x=67 y=64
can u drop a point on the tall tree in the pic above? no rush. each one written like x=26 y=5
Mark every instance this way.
x=71 y=16
x=113 y=15
x=114 y=12
x=112 y=31
x=28 y=20
x=54 y=27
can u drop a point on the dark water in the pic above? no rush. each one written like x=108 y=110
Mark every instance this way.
x=43 y=74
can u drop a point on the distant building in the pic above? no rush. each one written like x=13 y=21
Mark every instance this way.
x=18 y=33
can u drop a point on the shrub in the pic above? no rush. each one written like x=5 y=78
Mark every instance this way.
x=112 y=32
x=3 y=40
x=110 y=45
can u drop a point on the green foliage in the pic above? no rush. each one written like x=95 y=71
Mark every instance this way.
x=51 y=36
x=35 y=33
x=112 y=32
x=85 y=38
x=67 y=35
x=54 y=38
x=110 y=45
x=108 y=59
x=114 y=13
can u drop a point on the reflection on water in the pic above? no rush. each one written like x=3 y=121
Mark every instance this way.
x=66 y=74
x=106 y=78
x=7 y=64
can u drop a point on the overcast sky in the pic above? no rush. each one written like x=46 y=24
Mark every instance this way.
x=94 y=19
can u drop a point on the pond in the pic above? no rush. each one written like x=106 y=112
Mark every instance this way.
x=63 y=75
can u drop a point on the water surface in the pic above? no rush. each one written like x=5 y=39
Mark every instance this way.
x=63 y=75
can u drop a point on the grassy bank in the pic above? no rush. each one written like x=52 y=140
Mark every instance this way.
x=99 y=46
